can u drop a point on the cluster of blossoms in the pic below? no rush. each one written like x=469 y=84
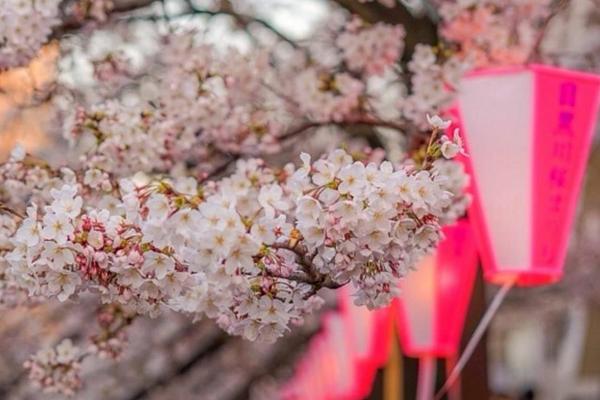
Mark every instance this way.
x=25 y=26
x=209 y=102
x=117 y=138
x=433 y=80
x=57 y=370
x=110 y=341
x=494 y=32
x=204 y=102
x=250 y=250
x=201 y=107
x=326 y=96
x=371 y=50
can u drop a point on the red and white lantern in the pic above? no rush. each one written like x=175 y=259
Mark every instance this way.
x=337 y=358
x=435 y=298
x=528 y=132
x=311 y=377
x=368 y=339
x=342 y=360
x=327 y=371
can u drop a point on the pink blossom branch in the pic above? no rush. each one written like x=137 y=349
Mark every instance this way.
x=305 y=261
x=364 y=121
x=311 y=276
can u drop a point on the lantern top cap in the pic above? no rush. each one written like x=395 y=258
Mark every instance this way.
x=535 y=68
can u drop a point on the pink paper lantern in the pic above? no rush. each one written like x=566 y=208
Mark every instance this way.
x=528 y=132
x=338 y=359
x=311 y=377
x=432 y=307
x=341 y=361
x=368 y=339
x=327 y=371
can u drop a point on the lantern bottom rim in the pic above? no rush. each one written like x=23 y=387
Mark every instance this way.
x=521 y=277
x=439 y=351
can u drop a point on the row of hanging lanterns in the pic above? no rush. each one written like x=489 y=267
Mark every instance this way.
x=343 y=358
x=528 y=132
x=435 y=298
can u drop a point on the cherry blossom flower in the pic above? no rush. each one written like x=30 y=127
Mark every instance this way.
x=157 y=264
x=29 y=232
x=437 y=122
x=371 y=49
x=56 y=369
x=62 y=284
x=352 y=179
x=57 y=227
x=451 y=148
x=24 y=27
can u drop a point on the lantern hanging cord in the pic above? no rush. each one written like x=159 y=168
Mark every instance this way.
x=475 y=338
x=426 y=378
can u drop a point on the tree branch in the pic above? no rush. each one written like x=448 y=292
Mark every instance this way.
x=220 y=168
x=243 y=20
x=313 y=277
x=233 y=157
x=358 y=122
x=71 y=22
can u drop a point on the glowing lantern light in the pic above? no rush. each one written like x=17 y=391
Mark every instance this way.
x=432 y=308
x=327 y=371
x=435 y=298
x=528 y=133
x=338 y=361
x=342 y=360
x=368 y=339
x=311 y=376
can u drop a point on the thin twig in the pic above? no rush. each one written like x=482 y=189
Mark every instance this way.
x=536 y=50
x=358 y=122
x=242 y=19
x=7 y=210
x=221 y=168
x=245 y=20
x=432 y=138
x=313 y=277
x=305 y=261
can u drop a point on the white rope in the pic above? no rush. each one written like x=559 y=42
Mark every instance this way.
x=475 y=338
x=426 y=378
